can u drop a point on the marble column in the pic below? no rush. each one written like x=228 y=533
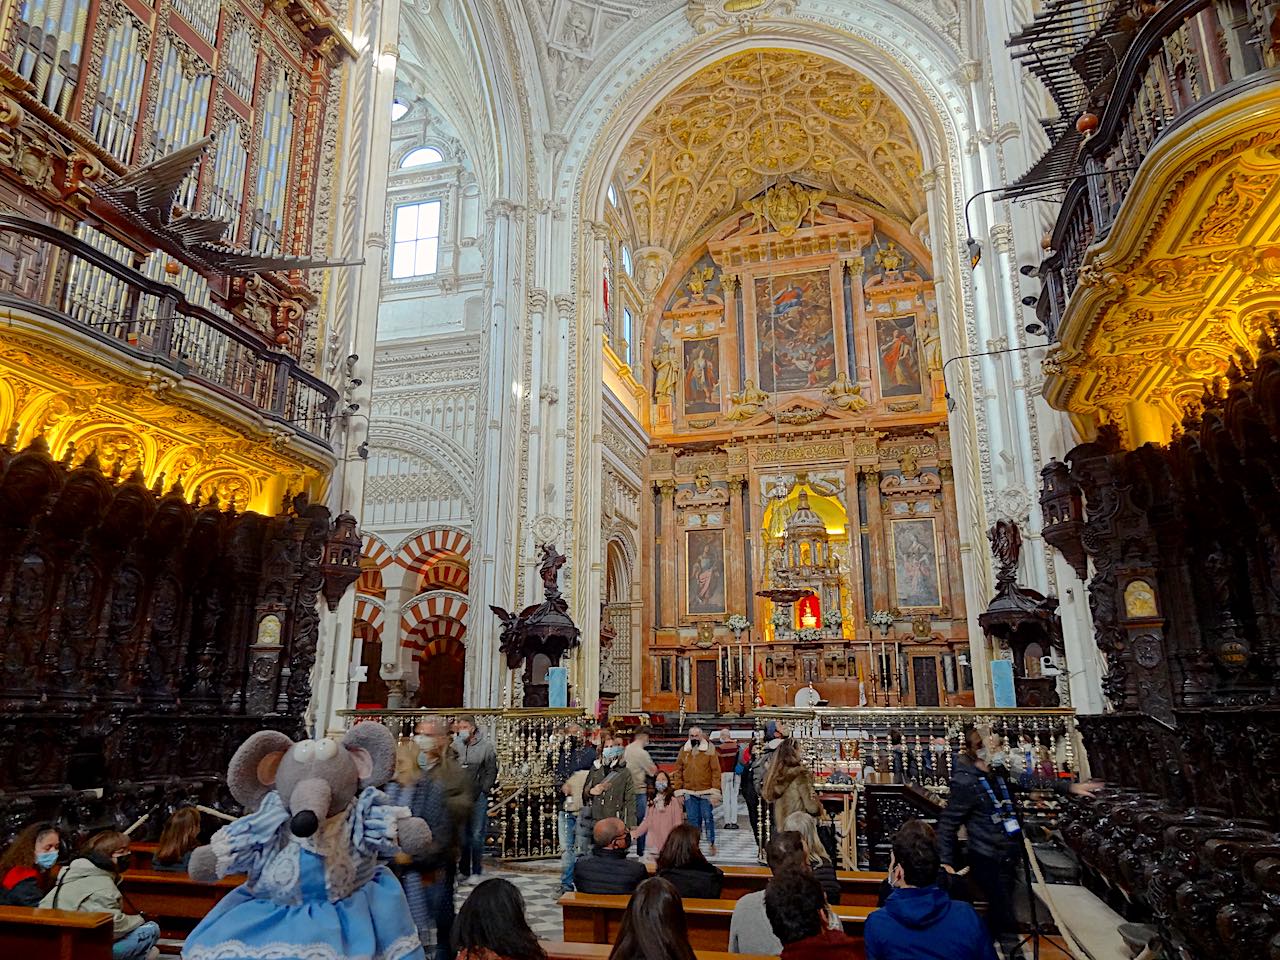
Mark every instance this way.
x=352 y=317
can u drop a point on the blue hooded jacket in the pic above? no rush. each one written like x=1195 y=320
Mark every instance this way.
x=923 y=923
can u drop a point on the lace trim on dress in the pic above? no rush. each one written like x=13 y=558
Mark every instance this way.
x=239 y=950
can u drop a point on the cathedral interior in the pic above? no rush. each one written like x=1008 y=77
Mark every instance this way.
x=882 y=372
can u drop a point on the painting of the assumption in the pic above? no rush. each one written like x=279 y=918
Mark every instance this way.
x=705 y=564
x=899 y=356
x=915 y=558
x=702 y=376
x=795 y=332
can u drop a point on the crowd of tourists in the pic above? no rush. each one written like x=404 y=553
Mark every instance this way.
x=614 y=795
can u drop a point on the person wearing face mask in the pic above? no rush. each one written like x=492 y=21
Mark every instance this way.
x=609 y=792
x=606 y=869
x=442 y=797
x=982 y=801
x=697 y=779
x=480 y=760
x=89 y=884
x=643 y=770
x=25 y=867
x=663 y=813
x=919 y=921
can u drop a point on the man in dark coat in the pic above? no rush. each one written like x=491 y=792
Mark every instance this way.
x=606 y=868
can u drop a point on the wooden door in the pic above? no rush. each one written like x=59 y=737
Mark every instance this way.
x=441 y=681
x=924 y=672
x=707 y=698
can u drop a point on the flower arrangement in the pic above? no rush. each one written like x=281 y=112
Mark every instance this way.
x=737 y=623
x=780 y=619
x=834 y=619
x=882 y=619
x=808 y=634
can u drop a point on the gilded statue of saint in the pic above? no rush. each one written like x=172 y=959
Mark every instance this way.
x=746 y=403
x=666 y=364
x=846 y=394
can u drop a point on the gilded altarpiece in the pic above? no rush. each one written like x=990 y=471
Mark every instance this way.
x=795 y=380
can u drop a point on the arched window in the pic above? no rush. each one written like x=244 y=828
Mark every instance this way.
x=613 y=195
x=398 y=109
x=626 y=259
x=627 y=326
x=420 y=157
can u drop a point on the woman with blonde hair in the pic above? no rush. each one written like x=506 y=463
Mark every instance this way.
x=789 y=784
x=400 y=788
x=815 y=852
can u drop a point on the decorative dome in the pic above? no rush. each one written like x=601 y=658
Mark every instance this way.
x=804 y=524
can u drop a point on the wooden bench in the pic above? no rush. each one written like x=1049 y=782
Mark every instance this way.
x=173 y=900
x=34 y=934
x=858 y=888
x=596 y=918
x=561 y=950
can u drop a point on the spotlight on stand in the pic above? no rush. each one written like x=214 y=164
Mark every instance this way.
x=975 y=252
x=1028 y=270
x=1034 y=329
x=1029 y=300
x=362 y=451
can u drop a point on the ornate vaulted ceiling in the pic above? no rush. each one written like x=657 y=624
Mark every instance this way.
x=734 y=127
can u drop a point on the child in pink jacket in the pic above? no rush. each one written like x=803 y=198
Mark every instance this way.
x=664 y=813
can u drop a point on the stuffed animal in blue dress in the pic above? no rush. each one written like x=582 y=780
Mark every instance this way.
x=311 y=845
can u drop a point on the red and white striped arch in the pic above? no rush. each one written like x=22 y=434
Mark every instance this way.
x=441 y=611
x=436 y=542
x=449 y=646
x=371 y=612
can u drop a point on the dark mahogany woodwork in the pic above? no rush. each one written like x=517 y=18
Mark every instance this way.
x=1184 y=546
x=143 y=638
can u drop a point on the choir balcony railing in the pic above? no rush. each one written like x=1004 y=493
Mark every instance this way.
x=1190 y=56
x=50 y=273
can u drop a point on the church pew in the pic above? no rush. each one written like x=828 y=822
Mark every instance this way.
x=29 y=932
x=596 y=918
x=562 y=950
x=173 y=900
x=144 y=854
x=858 y=888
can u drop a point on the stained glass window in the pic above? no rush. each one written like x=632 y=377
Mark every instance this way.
x=627 y=326
x=115 y=106
x=274 y=155
x=49 y=41
x=421 y=157
x=416 y=240
x=227 y=189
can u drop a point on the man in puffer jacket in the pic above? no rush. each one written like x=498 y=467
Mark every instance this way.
x=919 y=921
x=697 y=779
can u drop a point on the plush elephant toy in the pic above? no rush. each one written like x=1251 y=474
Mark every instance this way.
x=310 y=843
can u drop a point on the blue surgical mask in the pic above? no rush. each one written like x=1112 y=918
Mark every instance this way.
x=661 y=785
x=612 y=753
x=422 y=761
x=46 y=860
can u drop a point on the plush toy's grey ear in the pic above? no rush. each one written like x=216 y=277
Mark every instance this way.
x=377 y=742
x=252 y=770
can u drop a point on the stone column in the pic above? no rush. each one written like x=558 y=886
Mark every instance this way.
x=879 y=537
x=537 y=517
x=668 y=607
x=361 y=233
x=493 y=570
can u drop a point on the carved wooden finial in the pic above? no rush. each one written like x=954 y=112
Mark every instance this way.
x=69 y=455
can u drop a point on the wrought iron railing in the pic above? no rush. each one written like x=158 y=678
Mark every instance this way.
x=850 y=751
x=1187 y=57
x=525 y=803
x=65 y=279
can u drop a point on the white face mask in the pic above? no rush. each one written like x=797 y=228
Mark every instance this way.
x=982 y=754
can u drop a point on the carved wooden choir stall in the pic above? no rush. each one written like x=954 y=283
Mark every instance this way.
x=144 y=637
x=1183 y=549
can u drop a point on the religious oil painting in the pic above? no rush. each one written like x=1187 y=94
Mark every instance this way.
x=704 y=561
x=795 y=332
x=702 y=376
x=915 y=560
x=899 y=356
